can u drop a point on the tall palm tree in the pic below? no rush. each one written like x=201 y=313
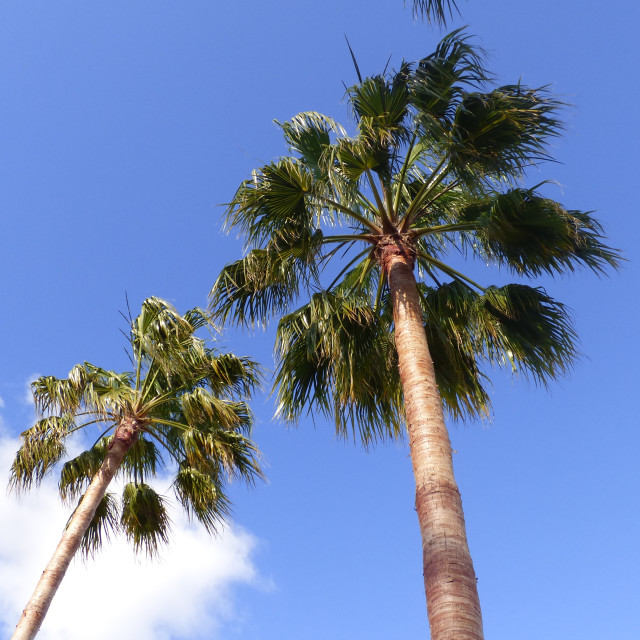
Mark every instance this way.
x=181 y=398
x=360 y=225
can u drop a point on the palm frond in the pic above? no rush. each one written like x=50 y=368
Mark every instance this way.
x=55 y=395
x=309 y=135
x=105 y=522
x=452 y=348
x=76 y=474
x=201 y=409
x=533 y=234
x=42 y=446
x=199 y=492
x=144 y=518
x=438 y=11
x=528 y=327
x=142 y=460
x=265 y=282
x=274 y=203
x=381 y=106
x=439 y=81
x=502 y=132
x=336 y=357
x=229 y=375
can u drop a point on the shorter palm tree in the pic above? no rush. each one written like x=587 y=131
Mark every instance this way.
x=182 y=398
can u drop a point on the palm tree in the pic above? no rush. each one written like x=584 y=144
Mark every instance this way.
x=393 y=331
x=181 y=398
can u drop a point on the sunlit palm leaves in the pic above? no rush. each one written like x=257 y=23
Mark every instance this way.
x=188 y=405
x=436 y=162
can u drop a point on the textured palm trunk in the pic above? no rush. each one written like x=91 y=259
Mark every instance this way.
x=38 y=605
x=450 y=582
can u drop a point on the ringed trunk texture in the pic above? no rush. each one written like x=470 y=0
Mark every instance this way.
x=38 y=605
x=450 y=583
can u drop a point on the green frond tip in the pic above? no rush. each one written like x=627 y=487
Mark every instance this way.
x=226 y=449
x=502 y=132
x=438 y=11
x=144 y=518
x=525 y=327
x=309 y=136
x=335 y=355
x=142 y=460
x=533 y=234
x=77 y=473
x=42 y=446
x=265 y=282
x=104 y=523
x=274 y=202
x=437 y=85
x=452 y=346
x=199 y=491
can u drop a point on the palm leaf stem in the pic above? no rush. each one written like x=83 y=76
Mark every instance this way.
x=350 y=212
x=403 y=172
x=366 y=237
x=450 y=271
x=327 y=256
x=434 y=179
x=389 y=202
x=381 y=281
x=138 y=363
x=366 y=203
x=146 y=388
x=371 y=263
x=171 y=423
x=102 y=435
x=159 y=400
x=443 y=228
x=347 y=267
x=376 y=195
x=433 y=277
x=450 y=186
x=86 y=424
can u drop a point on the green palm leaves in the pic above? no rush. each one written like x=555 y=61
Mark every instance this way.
x=434 y=10
x=182 y=407
x=435 y=163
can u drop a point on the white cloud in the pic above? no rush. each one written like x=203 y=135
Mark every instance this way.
x=188 y=593
x=27 y=398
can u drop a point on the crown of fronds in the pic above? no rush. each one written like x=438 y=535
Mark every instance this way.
x=436 y=162
x=190 y=402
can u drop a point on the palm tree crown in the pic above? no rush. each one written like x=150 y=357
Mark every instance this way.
x=181 y=406
x=436 y=164
x=179 y=399
x=359 y=227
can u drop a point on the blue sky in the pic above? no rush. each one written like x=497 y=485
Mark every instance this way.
x=125 y=123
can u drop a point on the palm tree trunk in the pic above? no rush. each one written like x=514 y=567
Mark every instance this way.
x=450 y=582
x=47 y=586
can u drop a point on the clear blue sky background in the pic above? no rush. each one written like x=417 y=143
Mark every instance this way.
x=124 y=124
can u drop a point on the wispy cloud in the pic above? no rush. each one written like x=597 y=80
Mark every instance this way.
x=188 y=593
x=27 y=398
